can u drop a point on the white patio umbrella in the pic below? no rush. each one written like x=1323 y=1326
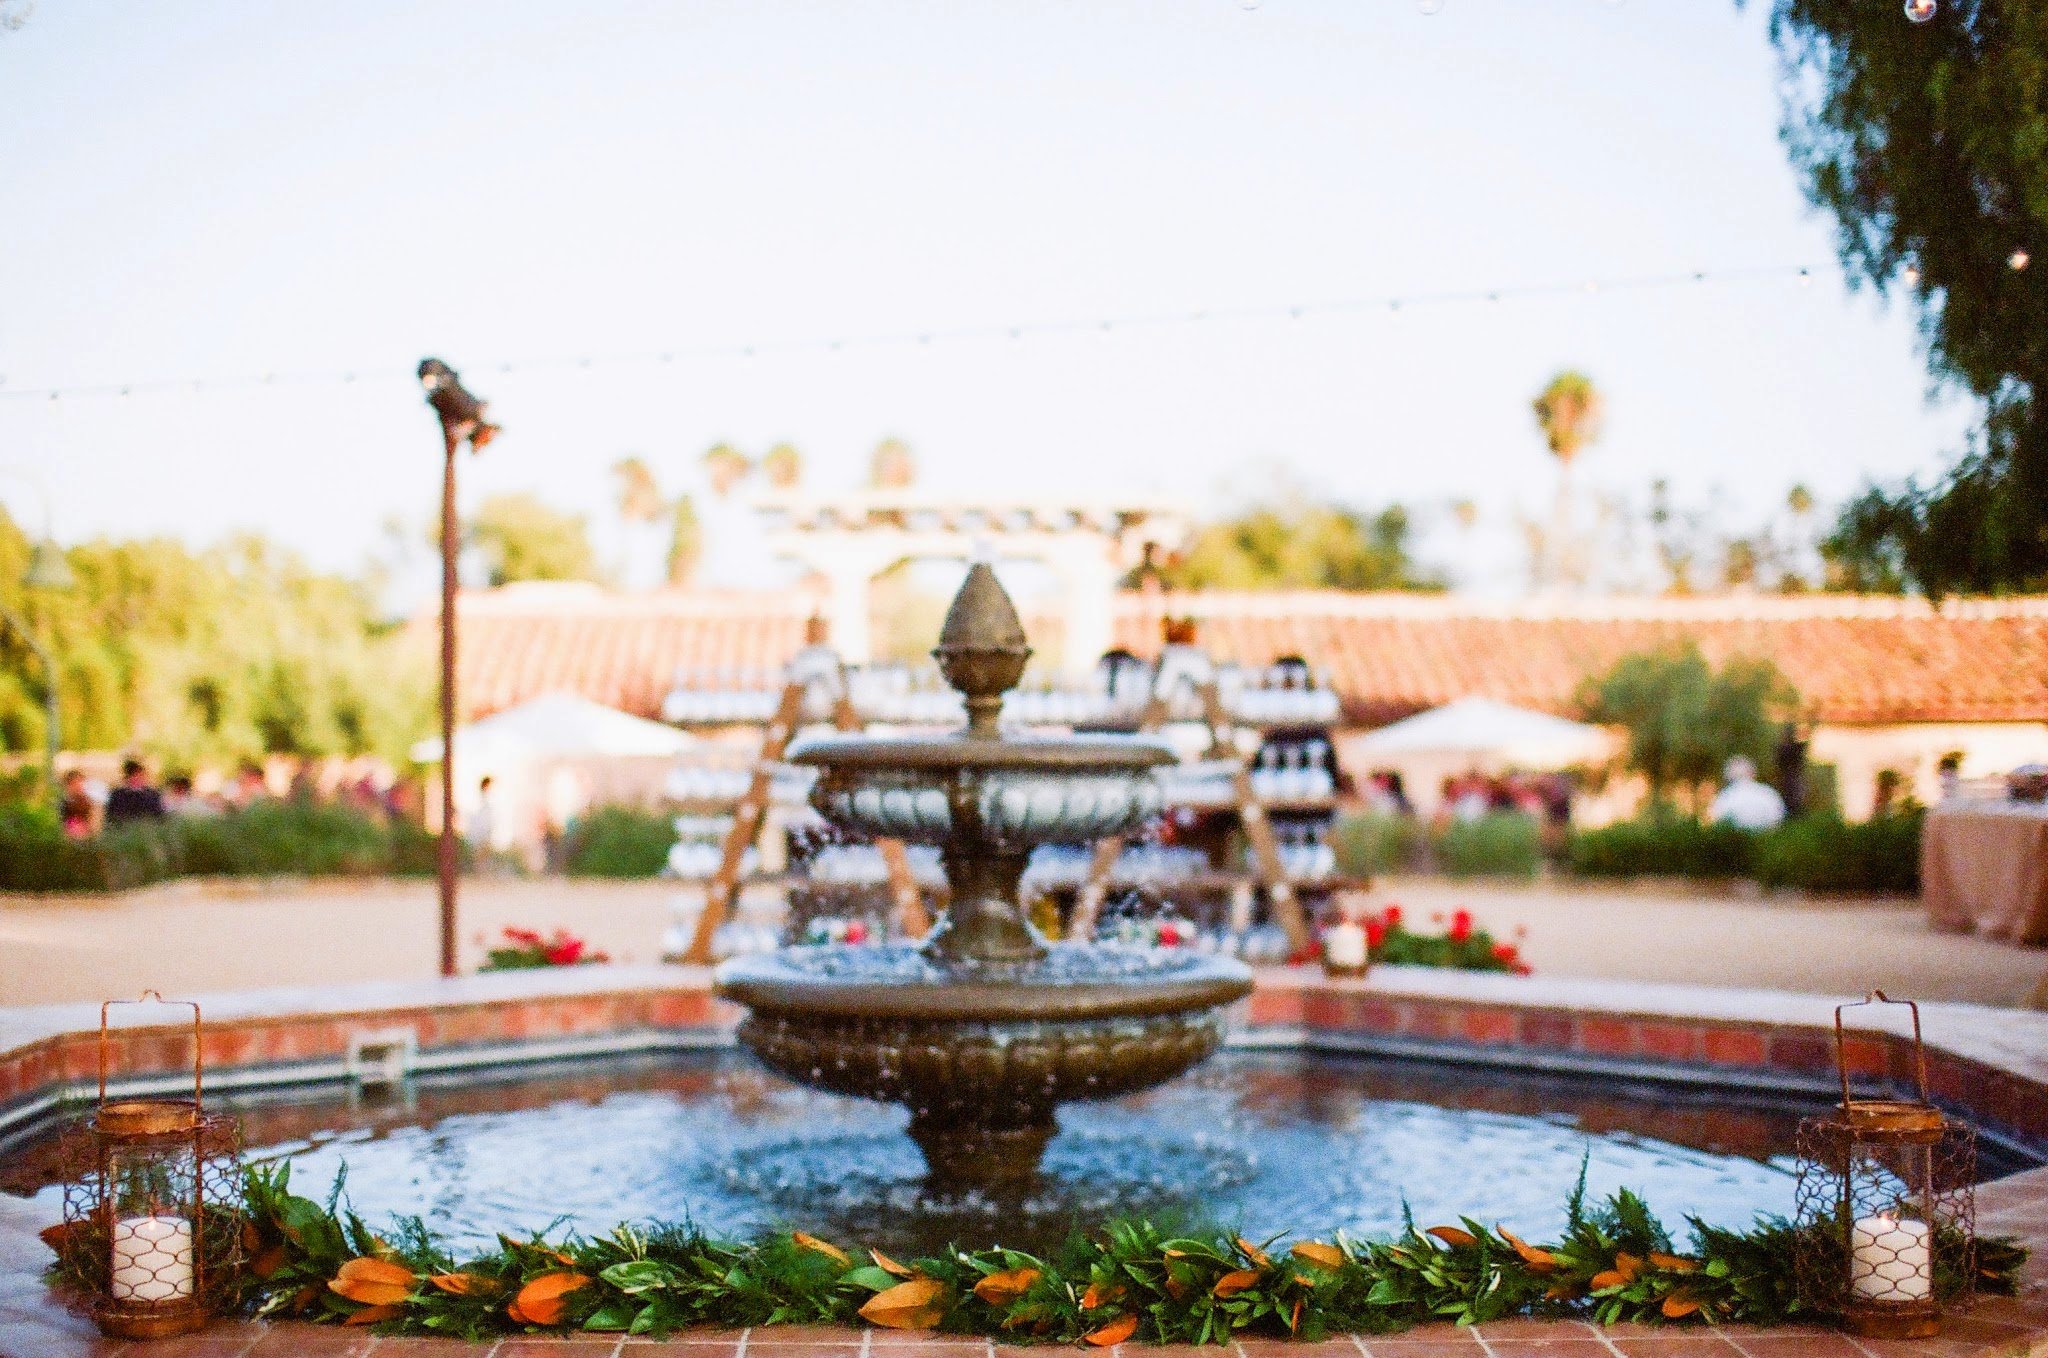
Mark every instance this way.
x=560 y=725
x=1475 y=727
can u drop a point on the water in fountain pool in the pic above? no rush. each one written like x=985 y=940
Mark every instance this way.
x=1264 y=1142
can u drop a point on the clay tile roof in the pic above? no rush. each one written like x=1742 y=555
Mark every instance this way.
x=1853 y=659
x=622 y=650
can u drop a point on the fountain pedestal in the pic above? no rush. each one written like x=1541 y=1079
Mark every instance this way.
x=983 y=1029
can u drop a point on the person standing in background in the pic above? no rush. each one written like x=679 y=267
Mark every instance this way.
x=135 y=799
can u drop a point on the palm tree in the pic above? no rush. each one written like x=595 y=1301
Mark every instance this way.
x=640 y=497
x=686 y=542
x=783 y=465
x=725 y=467
x=891 y=467
x=1568 y=411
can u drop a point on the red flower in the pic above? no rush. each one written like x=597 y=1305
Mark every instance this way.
x=566 y=952
x=1505 y=952
x=1393 y=917
x=1461 y=926
x=1169 y=936
x=1375 y=933
x=857 y=931
x=528 y=937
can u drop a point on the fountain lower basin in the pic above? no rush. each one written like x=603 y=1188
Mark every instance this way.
x=983 y=1029
x=983 y=1055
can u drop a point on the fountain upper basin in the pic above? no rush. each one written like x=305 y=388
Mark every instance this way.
x=1020 y=791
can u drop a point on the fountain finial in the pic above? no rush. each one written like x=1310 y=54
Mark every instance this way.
x=981 y=648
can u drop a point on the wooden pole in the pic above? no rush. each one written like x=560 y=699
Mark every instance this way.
x=448 y=862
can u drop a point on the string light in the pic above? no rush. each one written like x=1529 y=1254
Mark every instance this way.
x=1015 y=330
x=2018 y=259
x=1920 y=11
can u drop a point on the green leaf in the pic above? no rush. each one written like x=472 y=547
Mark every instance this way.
x=870 y=1278
x=640 y=1275
x=616 y=1315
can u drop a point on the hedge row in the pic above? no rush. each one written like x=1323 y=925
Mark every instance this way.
x=1814 y=853
x=1819 y=852
x=297 y=836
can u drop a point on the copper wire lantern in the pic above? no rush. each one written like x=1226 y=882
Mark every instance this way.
x=1886 y=1205
x=152 y=1205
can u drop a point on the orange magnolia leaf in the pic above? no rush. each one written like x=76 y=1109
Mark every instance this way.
x=459 y=1284
x=305 y=1296
x=1539 y=1260
x=1116 y=1332
x=374 y=1282
x=915 y=1305
x=824 y=1247
x=1565 y=1291
x=542 y=1301
x=370 y=1315
x=1316 y=1252
x=1098 y=1295
x=888 y=1265
x=1000 y=1289
x=1627 y=1265
x=1253 y=1252
x=1294 y=1320
x=1678 y=1305
x=1452 y=1236
x=1676 y=1263
x=1230 y=1284
x=1611 y=1278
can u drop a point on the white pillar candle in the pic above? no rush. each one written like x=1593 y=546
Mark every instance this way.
x=1889 y=1259
x=152 y=1259
x=1344 y=945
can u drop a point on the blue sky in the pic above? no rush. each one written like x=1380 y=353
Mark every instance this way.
x=232 y=188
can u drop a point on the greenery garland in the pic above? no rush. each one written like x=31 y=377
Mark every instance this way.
x=1127 y=1280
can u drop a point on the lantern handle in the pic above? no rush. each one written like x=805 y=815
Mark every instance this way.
x=198 y=1055
x=1919 y=1047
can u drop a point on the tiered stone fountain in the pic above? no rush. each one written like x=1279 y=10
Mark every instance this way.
x=983 y=1029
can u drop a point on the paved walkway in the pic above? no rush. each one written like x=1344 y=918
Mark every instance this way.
x=194 y=937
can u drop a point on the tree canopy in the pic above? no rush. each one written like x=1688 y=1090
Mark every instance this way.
x=1302 y=545
x=1568 y=411
x=521 y=537
x=231 y=653
x=1685 y=719
x=1928 y=144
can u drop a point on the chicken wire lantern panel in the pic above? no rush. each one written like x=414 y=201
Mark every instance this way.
x=1886 y=1206
x=153 y=1219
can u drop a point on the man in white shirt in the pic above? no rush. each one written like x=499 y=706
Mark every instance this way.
x=1745 y=803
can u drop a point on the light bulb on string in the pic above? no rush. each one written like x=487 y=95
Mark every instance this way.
x=1920 y=11
x=1912 y=275
x=2017 y=260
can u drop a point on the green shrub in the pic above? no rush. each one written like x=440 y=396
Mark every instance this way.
x=1662 y=844
x=297 y=837
x=1502 y=844
x=619 y=841
x=275 y=838
x=1820 y=852
x=36 y=855
x=1826 y=853
x=1369 y=845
